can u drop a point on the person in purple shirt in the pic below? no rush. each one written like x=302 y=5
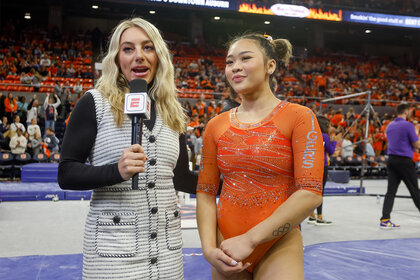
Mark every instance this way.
x=329 y=148
x=402 y=141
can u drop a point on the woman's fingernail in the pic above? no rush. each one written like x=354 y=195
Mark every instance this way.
x=233 y=262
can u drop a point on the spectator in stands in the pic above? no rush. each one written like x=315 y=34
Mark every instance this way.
x=10 y=106
x=78 y=73
x=25 y=79
x=337 y=118
x=58 y=90
x=36 y=142
x=347 y=146
x=45 y=61
x=369 y=148
x=22 y=108
x=194 y=123
x=188 y=108
x=197 y=149
x=28 y=142
x=4 y=134
x=4 y=142
x=77 y=89
x=71 y=70
x=4 y=126
x=136 y=50
x=16 y=124
x=52 y=70
x=66 y=106
x=62 y=71
x=50 y=109
x=33 y=128
x=18 y=143
x=33 y=110
x=36 y=79
x=260 y=229
x=63 y=55
x=402 y=141
x=51 y=141
x=200 y=106
x=65 y=96
x=190 y=139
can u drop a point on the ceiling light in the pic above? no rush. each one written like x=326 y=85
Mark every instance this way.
x=368 y=31
x=27 y=16
x=216 y=18
x=267 y=22
x=95 y=7
x=152 y=12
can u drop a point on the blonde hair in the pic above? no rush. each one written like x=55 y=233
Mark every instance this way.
x=113 y=84
x=279 y=49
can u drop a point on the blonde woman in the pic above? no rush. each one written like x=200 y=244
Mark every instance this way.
x=130 y=234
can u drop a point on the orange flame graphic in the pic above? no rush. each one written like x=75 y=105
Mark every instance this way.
x=320 y=14
x=247 y=8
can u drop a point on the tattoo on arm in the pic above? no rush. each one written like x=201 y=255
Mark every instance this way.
x=281 y=230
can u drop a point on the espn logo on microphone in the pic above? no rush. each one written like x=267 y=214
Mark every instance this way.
x=137 y=104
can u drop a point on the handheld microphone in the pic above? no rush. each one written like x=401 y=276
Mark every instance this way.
x=137 y=106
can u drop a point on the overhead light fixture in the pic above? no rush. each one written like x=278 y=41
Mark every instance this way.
x=152 y=12
x=27 y=16
x=267 y=22
x=367 y=31
x=216 y=18
x=95 y=7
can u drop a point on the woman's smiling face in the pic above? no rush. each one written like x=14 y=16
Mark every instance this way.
x=137 y=55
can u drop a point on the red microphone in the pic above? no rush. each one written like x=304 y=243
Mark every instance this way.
x=137 y=106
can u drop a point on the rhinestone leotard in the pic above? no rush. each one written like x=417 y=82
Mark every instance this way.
x=262 y=165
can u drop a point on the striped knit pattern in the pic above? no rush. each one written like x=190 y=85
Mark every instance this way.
x=133 y=234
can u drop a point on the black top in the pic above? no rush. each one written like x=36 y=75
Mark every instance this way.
x=75 y=174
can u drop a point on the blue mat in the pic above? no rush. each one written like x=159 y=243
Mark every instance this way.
x=349 y=260
x=66 y=267
x=332 y=188
x=369 y=260
x=18 y=191
x=39 y=172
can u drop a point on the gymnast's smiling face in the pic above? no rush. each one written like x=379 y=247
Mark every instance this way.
x=246 y=68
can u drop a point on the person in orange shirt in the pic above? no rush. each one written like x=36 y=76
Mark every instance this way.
x=270 y=153
x=194 y=121
x=338 y=117
x=10 y=106
x=200 y=106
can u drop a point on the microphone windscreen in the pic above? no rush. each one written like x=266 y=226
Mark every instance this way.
x=137 y=101
x=138 y=85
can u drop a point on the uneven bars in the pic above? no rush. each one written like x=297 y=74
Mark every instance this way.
x=346 y=96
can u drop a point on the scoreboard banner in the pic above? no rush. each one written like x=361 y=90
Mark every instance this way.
x=297 y=11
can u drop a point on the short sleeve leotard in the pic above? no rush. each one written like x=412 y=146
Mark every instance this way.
x=262 y=165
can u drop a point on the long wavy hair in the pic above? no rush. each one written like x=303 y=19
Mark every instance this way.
x=113 y=84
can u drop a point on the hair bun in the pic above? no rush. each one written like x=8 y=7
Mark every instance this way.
x=283 y=50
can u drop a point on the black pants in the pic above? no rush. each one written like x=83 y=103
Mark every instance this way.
x=324 y=181
x=400 y=168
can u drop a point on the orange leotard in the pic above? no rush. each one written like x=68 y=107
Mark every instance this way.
x=262 y=165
